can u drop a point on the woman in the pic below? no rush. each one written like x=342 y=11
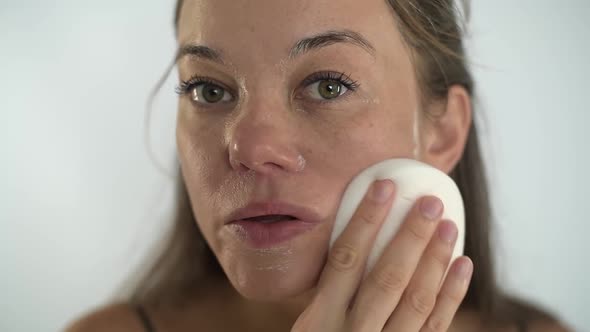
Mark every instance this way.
x=282 y=103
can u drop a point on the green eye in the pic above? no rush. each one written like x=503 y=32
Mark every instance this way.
x=329 y=89
x=326 y=89
x=210 y=93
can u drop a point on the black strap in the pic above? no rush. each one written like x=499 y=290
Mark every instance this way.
x=522 y=326
x=145 y=319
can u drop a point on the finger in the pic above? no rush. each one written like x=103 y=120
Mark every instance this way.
x=347 y=258
x=380 y=292
x=419 y=298
x=451 y=295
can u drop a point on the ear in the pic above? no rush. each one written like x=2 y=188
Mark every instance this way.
x=444 y=134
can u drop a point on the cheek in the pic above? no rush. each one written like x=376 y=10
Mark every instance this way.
x=344 y=148
x=192 y=150
x=200 y=155
x=371 y=136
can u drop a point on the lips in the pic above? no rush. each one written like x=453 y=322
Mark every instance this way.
x=271 y=218
x=270 y=223
x=268 y=209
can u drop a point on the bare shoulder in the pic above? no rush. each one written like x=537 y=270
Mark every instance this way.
x=469 y=320
x=548 y=326
x=113 y=318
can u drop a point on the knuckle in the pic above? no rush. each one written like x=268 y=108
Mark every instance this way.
x=441 y=260
x=343 y=257
x=420 y=301
x=434 y=324
x=389 y=280
x=418 y=233
x=455 y=296
x=367 y=218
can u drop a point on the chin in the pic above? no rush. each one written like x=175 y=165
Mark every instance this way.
x=274 y=286
x=273 y=275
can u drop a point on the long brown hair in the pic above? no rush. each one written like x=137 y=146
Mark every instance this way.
x=433 y=33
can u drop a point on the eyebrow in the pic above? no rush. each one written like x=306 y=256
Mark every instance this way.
x=200 y=51
x=331 y=37
x=302 y=46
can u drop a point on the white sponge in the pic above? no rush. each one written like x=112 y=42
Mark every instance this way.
x=413 y=179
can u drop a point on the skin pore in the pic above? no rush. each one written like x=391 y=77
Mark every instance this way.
x=273 y=136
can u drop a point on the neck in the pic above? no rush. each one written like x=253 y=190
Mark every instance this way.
x=283 y=313
x=273 y=314
x=281 y=316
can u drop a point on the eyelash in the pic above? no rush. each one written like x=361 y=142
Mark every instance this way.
x=185 y=87
x=341 y=78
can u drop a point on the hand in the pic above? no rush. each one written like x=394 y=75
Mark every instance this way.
x=405 y=291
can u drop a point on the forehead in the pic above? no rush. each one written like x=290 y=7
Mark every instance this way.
x=274 y=25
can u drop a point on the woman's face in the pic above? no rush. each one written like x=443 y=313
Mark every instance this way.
x=287 y=123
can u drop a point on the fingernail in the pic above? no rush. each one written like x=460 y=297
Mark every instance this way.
x=382 y=190
x=431 y=207
x=447 y=231
x=464 y=269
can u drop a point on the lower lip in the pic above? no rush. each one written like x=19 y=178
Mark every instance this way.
x=261 y=235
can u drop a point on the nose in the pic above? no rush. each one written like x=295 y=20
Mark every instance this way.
x=263 y=141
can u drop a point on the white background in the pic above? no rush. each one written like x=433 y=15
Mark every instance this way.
x=80 y=200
